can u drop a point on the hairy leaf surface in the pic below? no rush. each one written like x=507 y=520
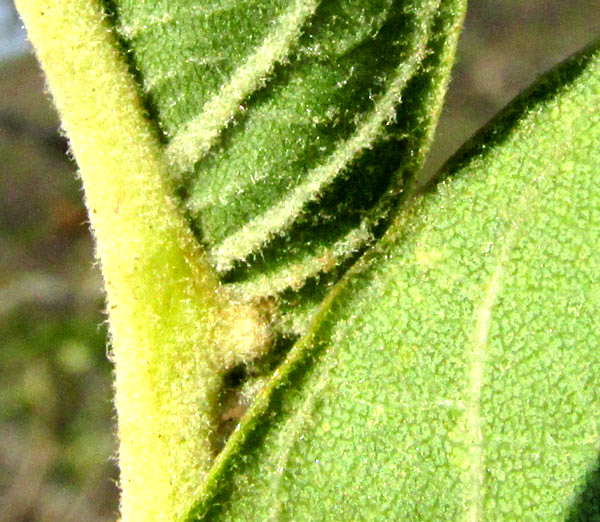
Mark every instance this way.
x=453 y=373
x=288 y=127
x=291 y=126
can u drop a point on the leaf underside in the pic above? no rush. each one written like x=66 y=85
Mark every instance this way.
x=291 y=126
x=452 y=374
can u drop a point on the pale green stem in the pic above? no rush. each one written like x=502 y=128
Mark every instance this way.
x=170 y=327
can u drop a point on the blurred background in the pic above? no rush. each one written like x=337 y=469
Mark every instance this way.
x=56 y=416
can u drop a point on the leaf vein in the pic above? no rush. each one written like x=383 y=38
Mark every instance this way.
x=199 y=134
x=478 y=357
x=282 y=215
x=295 y=274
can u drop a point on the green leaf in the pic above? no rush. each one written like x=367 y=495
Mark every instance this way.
x=453 y=372
x=294 y=115
x=291 y=126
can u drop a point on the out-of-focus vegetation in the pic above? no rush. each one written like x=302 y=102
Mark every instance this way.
x=56 y=426
x=56 y=418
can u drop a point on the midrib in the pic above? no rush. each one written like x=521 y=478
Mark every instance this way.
x=478 y=356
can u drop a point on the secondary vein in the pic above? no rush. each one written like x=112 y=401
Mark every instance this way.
x=200 y=133
x=282 y=215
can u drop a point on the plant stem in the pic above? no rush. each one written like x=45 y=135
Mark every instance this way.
x=170 y=324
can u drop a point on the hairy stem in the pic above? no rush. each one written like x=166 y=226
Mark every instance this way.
x=169 y=323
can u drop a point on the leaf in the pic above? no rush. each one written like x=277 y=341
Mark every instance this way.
x=453 y=373
x=214 y=74
x=291 y=126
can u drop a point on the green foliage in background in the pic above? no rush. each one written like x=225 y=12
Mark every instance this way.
x=238 y=160
x=56 y=416
x=53 y=412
